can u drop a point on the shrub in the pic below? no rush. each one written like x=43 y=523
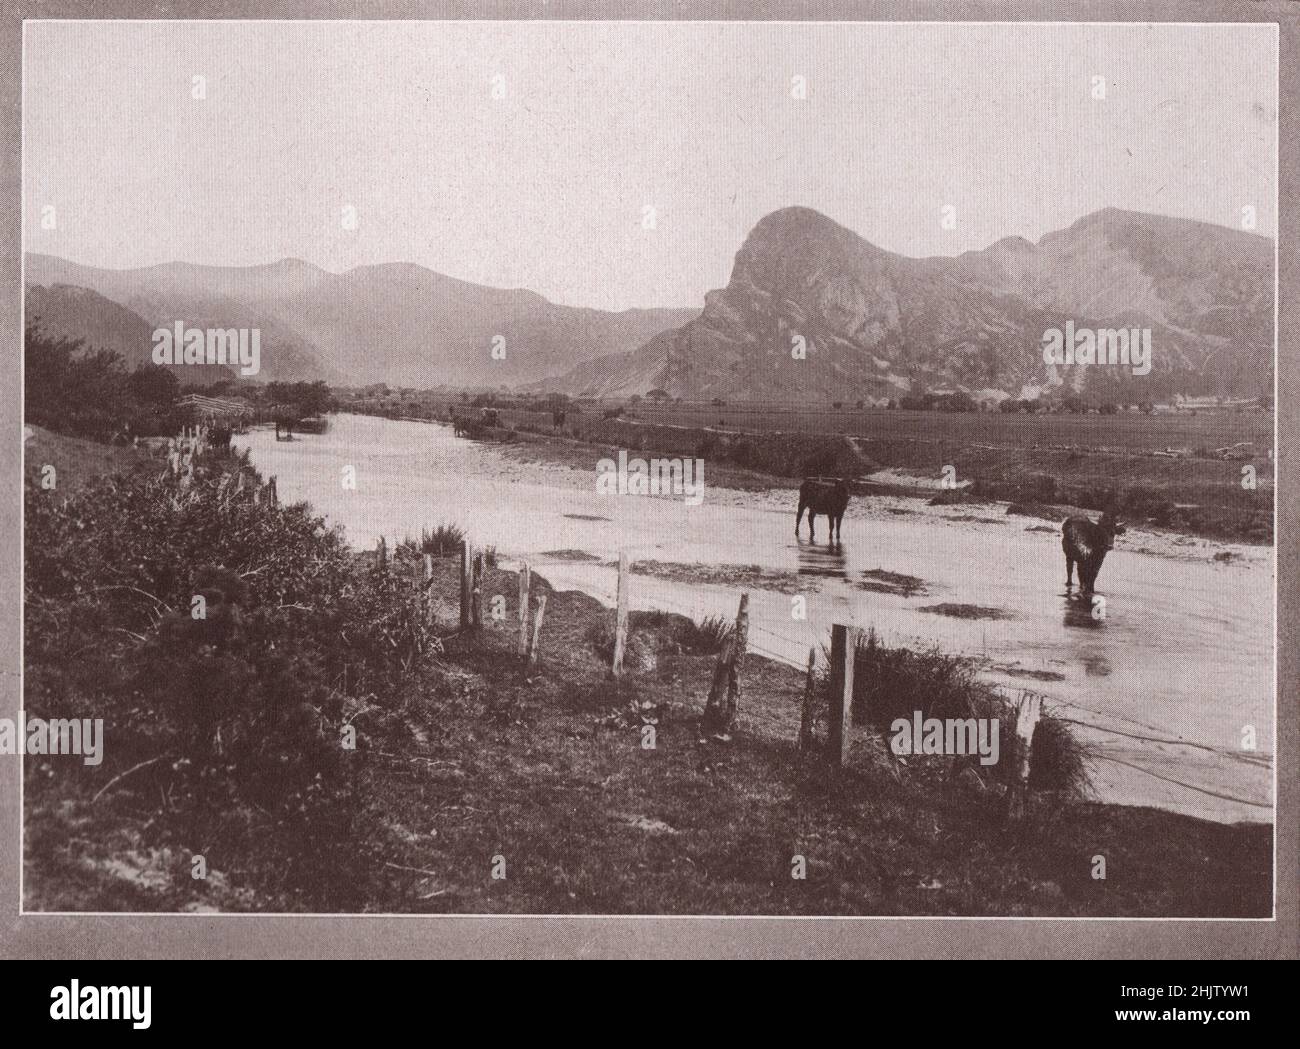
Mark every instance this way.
x=239 y=712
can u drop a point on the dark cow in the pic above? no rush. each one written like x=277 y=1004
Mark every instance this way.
x=1086 y=543
x=823 y=495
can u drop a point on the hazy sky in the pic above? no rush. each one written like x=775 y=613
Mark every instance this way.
x=546 y=187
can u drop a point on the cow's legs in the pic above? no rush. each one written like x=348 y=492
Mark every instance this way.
x=798 y=519
x=1087 y=576
x=812 y=525
x=1069 y=572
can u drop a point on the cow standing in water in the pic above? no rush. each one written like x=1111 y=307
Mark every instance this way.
x=1086 y=543
x=823 y=495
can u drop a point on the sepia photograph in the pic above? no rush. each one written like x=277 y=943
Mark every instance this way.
x=803 y=469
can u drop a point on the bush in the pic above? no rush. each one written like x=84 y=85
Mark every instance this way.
x=239 y=712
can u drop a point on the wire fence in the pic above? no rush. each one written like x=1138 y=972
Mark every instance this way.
x=667 y=604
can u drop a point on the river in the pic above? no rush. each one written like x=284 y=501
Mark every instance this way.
x=1168 y=684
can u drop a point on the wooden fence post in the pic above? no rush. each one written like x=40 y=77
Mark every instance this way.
x=720 y=716
x=466 y=584
x=844 y=644
x=737 y=661
x=537 y=629
x=1029 y=708
x=381 y=554
x=476 y=607
x=712 y=718
x=620 y=616
x=809 y=694
x=524 y=583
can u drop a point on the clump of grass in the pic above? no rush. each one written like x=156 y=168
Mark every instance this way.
x=890 y=683
x=1059 y=761
x=639 y=652
x=707 y=636
x=444 y=541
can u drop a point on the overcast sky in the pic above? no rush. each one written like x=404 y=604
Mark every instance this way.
x=547 y=187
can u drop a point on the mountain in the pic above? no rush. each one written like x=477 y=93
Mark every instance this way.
x=204 y=297
x=396 y=323
x=64 y=311
x=876 y=324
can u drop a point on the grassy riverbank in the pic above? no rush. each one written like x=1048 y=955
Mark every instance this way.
x=225 y=739
x=1158 y=472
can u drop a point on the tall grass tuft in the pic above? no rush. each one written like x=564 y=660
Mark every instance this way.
x=707 y=636
x=444 y=541
x=890 y=683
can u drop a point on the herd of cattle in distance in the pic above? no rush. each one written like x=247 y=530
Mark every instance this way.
x=1084 y=541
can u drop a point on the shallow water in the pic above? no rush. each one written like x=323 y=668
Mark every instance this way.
x=1166 y=682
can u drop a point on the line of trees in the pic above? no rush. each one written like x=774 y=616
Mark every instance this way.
x=90 y=393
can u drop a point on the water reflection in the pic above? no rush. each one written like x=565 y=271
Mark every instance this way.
x=1079 y=612
x=828 y=561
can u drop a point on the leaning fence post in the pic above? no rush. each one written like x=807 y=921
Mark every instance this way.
x=537 y=629
x=1029 y=708
x=844 y=643
x=737 y=661
x=620 y=616
x=711 y=721
x=524 y=582
x=809 y=694
x=719 y=717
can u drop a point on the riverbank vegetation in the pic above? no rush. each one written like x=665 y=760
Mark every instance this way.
x=1168 y=471
x=292 y=725
x=226 y=748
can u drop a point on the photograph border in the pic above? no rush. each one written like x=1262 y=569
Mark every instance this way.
x=85 y=934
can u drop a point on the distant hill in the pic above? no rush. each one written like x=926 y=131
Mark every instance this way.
x=399 y=323
x=65 y=311
x=878 y=325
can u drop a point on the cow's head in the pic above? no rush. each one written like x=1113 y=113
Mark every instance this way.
x=1111 y=527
